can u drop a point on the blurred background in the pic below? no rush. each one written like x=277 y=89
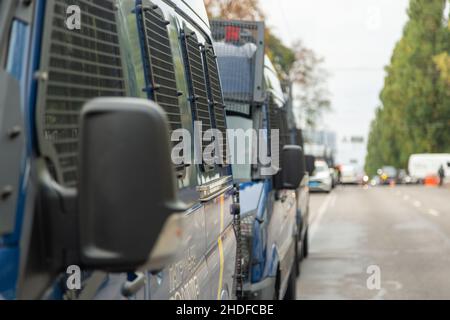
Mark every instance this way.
x=371 y=92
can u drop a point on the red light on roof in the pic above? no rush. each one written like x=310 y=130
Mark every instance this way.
x=232 y=34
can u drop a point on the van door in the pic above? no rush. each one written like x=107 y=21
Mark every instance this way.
x=302 y=192
x=221 y=242
x=285 y=202
x=285 y=209
x=216 y=189
x=70 y=68
x=14 y=39
x=187 y=277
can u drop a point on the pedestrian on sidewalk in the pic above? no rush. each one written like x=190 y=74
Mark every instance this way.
x=441 y=174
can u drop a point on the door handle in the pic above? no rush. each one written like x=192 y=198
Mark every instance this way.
x=214 y=189
x=130 y=288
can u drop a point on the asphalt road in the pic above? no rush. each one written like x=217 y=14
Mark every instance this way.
x=396 y=239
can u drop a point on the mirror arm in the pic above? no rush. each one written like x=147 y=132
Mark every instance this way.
x=58 y=209
x=132 y=287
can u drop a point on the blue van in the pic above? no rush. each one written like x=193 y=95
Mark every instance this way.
x=91 y=203
x=255 y=101
x=303 y=195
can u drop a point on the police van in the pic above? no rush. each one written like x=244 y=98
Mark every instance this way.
x=268 y=190
x=91 y=203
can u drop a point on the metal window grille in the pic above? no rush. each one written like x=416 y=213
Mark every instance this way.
x=159 y=65
x=216 y=98
x=75 y=66
x=198 y=89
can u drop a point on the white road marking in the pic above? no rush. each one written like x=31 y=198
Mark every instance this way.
x=434 y=213
x=333 y=200
x=323 y=208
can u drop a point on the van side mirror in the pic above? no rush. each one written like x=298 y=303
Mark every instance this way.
x=310 y=164
x=292 y=168
x=127 y=193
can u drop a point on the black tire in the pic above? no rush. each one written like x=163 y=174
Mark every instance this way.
x=276 y=291
x=291 y=291
x=305 y=245
x=297 y=260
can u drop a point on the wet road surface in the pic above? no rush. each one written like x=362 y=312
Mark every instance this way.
x=403 y=232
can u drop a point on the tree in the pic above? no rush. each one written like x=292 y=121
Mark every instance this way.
x=310 y=80
x=415 y=112
x=232 y=9
x=442 y=60
x=282 y=57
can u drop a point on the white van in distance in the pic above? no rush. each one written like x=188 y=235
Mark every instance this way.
x=423 y=165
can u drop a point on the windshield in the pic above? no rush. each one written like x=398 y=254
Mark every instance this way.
x=321 y=167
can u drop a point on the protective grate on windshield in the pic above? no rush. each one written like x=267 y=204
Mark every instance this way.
x=239 y=46
x=159 y=65
x=76 y=66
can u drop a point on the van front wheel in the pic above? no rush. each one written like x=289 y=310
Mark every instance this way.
x=305 y=244
x=291 y=292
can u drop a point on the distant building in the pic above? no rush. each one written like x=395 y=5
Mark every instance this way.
x=321 y=144
x=322 y=137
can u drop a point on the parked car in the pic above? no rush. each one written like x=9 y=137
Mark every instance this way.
x=335 y=177
x=405 y=178
x=269 y=212
x=375 y=181
x=321 y=180
x=101 y=194
x=388 y=175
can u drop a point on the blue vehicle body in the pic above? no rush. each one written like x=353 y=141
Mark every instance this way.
x=204 y=268
x=268 y=216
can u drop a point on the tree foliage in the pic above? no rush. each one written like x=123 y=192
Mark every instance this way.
x=415 y=113
x=232 y=9
x=297 y=64
x=312 y=96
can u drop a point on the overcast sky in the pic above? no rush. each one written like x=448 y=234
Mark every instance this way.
x=356 y=38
